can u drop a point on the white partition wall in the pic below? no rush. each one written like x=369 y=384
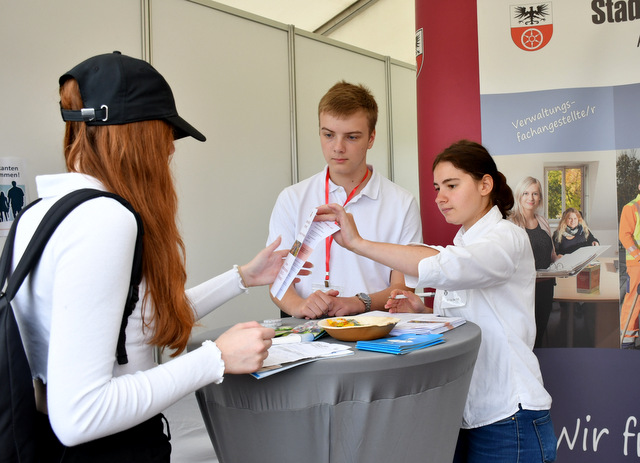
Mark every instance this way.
x=251 y=85
x=39 y=42
x=236 y=91
x=404 y=127
x=319 y=65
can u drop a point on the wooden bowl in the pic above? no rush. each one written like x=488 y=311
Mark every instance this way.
x=367 y=328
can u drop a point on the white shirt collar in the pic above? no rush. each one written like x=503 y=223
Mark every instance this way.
x=478 y=229
x=61 y=184
x=371 y=189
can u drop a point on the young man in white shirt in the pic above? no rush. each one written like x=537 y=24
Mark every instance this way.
x=343 y=283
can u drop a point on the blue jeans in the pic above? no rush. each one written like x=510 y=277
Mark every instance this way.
x=526 y=437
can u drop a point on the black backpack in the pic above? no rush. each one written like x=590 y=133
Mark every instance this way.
x=17 y=402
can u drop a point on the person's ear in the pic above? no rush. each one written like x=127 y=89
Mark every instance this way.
x=486 y=185
x=372 y=138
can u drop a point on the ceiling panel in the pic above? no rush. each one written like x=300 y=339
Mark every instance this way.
x=386 y=27
x=304 y=14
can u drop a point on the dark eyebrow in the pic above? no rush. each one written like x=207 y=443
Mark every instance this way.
x=447 y=180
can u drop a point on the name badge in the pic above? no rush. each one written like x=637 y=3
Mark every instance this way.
x=453 y=299
x=321 y=287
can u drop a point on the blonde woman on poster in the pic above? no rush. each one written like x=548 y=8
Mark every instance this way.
x=528 y=199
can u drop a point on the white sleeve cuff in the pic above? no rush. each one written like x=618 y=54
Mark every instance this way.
x=218 y=359
x=240 y=285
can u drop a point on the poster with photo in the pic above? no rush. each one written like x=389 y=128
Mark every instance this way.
x=559 y=88
x=13 y=191
x=559 y=93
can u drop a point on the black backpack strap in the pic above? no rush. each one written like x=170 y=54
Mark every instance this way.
x=41 y=236
x=7 y=250
x=18 y=415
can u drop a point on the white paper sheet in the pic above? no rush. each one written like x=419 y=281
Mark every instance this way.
x=306 y=241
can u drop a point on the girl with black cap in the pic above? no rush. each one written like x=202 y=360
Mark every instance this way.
x=121 y=126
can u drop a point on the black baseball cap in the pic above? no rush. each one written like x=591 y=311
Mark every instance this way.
x=118 y=89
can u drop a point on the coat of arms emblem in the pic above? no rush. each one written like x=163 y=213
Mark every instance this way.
x=531 y=25
x=419 y=51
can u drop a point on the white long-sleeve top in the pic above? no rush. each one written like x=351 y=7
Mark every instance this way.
x=488 y=277
x=69 y=311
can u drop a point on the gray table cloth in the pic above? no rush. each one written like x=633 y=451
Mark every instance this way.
x=368 y=407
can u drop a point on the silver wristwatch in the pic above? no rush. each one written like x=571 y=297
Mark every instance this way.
x=364 y=297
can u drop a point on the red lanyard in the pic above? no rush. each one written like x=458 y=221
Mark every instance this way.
x=329 y=240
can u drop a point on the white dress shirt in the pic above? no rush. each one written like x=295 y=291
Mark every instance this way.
x=383 y=211
x=488 y=278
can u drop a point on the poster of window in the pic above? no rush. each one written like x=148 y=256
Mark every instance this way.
x=13 y=191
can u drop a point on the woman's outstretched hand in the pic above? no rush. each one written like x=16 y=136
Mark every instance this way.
x=264 y=267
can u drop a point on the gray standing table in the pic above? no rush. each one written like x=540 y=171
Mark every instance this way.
x=368 y=407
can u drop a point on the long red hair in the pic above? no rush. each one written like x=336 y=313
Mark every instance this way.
x=132 y=160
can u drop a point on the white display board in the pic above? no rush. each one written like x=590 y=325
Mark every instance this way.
x=40 y=42
x=319 y=65
x=236 y=92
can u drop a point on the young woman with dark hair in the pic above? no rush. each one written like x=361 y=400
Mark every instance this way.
x=488 y=278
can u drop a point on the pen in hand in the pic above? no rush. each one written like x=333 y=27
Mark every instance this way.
x=401 y=296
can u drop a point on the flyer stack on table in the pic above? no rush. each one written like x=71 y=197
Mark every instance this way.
x=402 y=344
x=420 y=323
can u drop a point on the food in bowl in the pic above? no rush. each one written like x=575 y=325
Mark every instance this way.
x=361 y=328
x=340 y=322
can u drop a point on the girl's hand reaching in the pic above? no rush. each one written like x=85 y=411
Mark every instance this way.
x=264 y=267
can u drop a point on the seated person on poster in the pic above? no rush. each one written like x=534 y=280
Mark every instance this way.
x=572 y=233
x=343 y=283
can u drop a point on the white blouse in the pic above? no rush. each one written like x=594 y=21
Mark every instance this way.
x=488 y=278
